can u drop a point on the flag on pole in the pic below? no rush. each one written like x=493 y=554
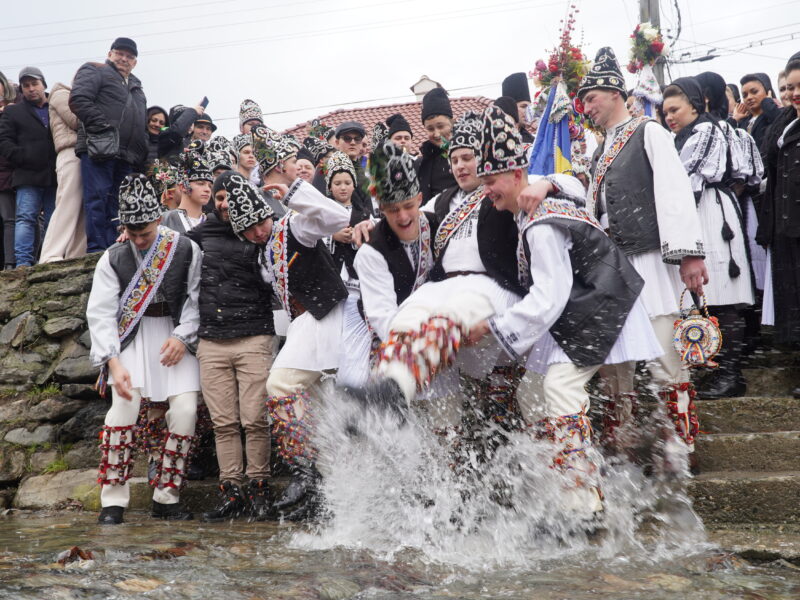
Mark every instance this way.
x=551 y=149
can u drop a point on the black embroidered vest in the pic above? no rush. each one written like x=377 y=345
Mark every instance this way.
x=173 y=286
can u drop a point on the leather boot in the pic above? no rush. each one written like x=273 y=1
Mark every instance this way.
x=301 y=499
x=170 y=512
x=110 y=515
x=231 y=506
x=260 y=497
x=727 y=381
x=382 y=395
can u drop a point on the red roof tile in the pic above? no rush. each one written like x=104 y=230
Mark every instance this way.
x=370 y=115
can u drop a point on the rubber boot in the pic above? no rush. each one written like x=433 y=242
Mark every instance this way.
x=170 y=512
x=301 y=499
x=111 y=515
x=727 y=381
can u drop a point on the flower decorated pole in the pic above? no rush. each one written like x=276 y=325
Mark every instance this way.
x=560 y=123
x=647 y=46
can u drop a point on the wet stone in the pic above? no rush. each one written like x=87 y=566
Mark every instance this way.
x=41 y=435
x=14 y=466
x=61 y=326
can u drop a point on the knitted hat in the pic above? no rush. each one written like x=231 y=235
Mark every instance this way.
x=250 y=111
x=304 y=154
x=516 y=86
x=501 y=144
x=138 y=201
x=392 y=174
x=318 y=148
x=397 y=123
x=339 y=162
x=436 y=102
x=605 y=74
x=467 y=133
x=246 y=206
x=272 y=148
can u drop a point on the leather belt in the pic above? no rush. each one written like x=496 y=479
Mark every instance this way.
x=157 y=309
x=452 y=274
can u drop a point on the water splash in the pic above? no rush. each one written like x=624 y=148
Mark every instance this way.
x=393 y=489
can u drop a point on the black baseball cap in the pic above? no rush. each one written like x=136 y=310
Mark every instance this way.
x=123 y=43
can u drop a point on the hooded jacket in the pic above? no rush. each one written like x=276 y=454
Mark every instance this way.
x=63 y=122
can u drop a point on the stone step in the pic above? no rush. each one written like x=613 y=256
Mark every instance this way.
x=774 y=451
x=772 y=381
x=749 y=415
x=747 y=497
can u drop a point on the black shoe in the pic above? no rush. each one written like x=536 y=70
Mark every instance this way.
x=170 y=512
x=110 y=515
x=383 y=395
x=301 y=498
x=727 y=384
x=232 y=504
x=260 y=497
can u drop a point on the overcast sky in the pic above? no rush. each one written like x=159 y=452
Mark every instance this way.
x=302 y=58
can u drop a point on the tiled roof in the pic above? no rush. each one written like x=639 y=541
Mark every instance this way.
x=370 y=115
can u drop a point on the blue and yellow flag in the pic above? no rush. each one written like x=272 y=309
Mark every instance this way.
x=552 y=147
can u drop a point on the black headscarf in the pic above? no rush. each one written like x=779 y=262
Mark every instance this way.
x=713 y=86
x=735 y=91
x=762 y=78
x=693 y=91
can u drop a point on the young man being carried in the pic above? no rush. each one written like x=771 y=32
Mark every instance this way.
x=143 y=317
x=581 y=308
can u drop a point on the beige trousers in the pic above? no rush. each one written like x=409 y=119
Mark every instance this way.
x=561 y=391
x=233 y=374
x=66 y=235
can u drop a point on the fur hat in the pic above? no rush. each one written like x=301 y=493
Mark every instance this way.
x=436 y=102
x=138 y=201
x=516 y=86
x=501 y=144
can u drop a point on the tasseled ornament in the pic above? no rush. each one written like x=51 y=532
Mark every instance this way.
x=727 y=232
x=733 y=269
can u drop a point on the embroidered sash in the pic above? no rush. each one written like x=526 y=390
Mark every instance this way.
x=145 y=283
x=277 y=248
x=425 y=257
x=611 y=154
x=549 y=208
x=456 y=218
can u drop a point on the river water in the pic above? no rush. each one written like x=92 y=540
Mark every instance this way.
x=403 y=521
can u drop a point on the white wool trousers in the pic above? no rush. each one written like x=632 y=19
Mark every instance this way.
x=181 y=418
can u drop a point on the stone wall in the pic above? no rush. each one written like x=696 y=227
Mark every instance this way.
x=49 y=413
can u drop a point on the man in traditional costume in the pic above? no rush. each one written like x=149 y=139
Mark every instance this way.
x=581 y=308
x=641 y=195
x=307 y=283
x=516 y=86
x=196 y=182
x=143 y=317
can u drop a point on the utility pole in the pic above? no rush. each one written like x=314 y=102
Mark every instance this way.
x=648 y=11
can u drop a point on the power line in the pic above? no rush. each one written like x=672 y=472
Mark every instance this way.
x=433 y=17
x=741 y=35
x=195 y=28
x=159 y=21
x=117 y=14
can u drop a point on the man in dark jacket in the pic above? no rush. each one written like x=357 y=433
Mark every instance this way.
x=26 y=141
x=107 y=98
x=235 y=353
x=173 y=139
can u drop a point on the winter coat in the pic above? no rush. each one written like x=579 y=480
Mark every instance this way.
x=434 y=171
x=26 y=142
x=234 y=300
x=780 y=209
x=101 y=99
x=6 y=168
x=63 y=122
